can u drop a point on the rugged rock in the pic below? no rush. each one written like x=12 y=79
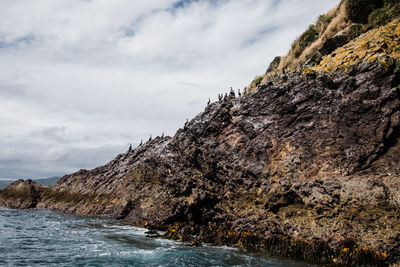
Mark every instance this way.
x=330 y=45
x=307 y=166
x=21 y=194
x=380 y=45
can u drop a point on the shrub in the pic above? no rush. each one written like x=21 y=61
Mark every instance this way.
x=382 y=16
x=355 y=30
x=311 y=54
x=359 y=10
x=390 y=3
x=274 y=64
x=256 y=81
x=307 y=38
x=323 y=21
x=395 y=10
x=379 y=17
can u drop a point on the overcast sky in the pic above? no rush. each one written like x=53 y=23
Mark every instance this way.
x=81 y=79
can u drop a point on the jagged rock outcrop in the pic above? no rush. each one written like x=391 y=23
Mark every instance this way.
x=307 y=166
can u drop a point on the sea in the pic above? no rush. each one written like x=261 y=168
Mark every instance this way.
x=49 y=238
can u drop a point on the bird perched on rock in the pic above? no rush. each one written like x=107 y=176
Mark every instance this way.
x=232 y=93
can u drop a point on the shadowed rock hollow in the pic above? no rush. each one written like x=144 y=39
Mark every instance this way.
x=306 y=166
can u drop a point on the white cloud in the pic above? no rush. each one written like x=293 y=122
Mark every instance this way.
x=80 y=79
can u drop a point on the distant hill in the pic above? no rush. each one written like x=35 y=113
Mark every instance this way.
x=47 y=181
x=43 y=181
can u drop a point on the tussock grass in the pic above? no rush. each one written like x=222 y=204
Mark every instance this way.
x=350 y=18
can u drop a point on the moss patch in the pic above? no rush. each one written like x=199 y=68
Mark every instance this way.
x=379 y=45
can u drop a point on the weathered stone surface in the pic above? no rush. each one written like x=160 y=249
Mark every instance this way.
x=21 y=194
x=314 y=158
x=306 y=166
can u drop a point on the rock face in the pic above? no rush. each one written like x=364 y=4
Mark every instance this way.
x=380 y=44
x=313 y=158
x=306 y=166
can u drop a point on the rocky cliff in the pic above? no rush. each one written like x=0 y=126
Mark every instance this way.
x=306 y=166
x=348 y=20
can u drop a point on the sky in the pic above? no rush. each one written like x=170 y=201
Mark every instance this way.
x=82 y=79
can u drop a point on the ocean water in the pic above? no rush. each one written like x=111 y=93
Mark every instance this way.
x=48 y=238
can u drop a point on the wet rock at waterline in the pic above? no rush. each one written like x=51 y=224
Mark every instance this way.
x=306 y=166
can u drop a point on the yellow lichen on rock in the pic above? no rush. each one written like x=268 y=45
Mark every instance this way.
x=381 y=45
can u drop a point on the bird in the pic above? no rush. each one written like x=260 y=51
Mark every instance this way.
x=232 y=93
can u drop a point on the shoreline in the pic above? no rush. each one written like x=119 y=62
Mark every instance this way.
x=127 y=232
x=278 y=245
x=306 y=166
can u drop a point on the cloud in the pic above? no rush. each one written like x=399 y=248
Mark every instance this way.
x=41 y=161
x=80 y=80
x=51 y=134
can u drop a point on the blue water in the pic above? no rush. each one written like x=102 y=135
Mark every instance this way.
x=46 y=238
